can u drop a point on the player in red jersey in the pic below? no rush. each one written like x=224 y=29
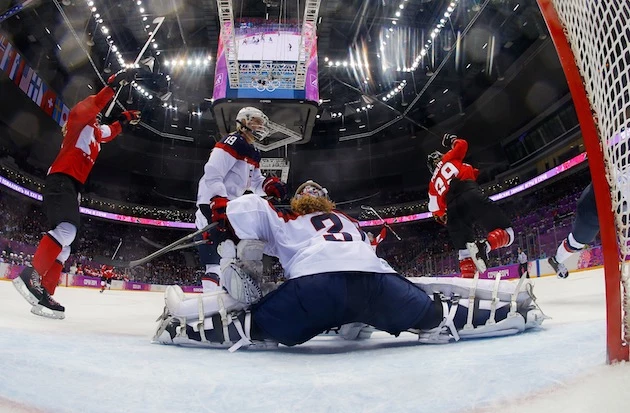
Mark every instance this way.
x=107 y=273
x=454 y=189
x=83 y=135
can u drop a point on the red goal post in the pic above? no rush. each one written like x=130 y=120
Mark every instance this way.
x=593 y=43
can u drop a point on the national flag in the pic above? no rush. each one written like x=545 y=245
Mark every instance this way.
x=15 y=73
x=34 y=88
x=26 y=78
x=7 y=56
x=4 y=42
x=65 y=111
x=48 y=97
x=57 y=109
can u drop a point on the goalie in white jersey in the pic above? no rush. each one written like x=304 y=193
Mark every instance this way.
x=334 y=278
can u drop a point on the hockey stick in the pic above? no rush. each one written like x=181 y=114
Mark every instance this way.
x=159 y=21
x=372 y=210
x=117 y=249
x=180 y=247
x=170 y=247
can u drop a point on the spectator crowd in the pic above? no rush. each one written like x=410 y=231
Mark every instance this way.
x=540 y=219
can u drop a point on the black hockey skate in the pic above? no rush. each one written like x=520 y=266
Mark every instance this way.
x=28 y=284
x=479 y=254
x=560 y=269
x=49 y=307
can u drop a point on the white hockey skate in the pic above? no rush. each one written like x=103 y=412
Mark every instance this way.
x=479 y=254
x=560 y=269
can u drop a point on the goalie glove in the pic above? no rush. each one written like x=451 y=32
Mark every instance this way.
x=448 y=139
x=440 y=219
x=129 y=117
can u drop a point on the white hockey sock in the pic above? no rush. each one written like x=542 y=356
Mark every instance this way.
x=567 y=248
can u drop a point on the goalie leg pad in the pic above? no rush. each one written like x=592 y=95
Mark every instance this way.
x=454 y=326
x=250 y=250
x=485 y=289
x=494 y=308
x=212 y=303
x=231 y=331
x=241 y=269
x=238 y=283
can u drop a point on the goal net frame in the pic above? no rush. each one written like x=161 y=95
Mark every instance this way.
x=616 y=265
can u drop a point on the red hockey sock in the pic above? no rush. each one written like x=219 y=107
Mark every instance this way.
x=50 y=280
x=47 y=251
x=467 y=267
x=498 y=238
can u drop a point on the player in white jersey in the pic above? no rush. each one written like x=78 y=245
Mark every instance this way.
x=231 y=171
x=334 y=278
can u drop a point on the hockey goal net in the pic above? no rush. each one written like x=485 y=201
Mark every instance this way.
x=592 y=38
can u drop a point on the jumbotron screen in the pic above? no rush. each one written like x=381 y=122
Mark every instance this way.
x=267 y=54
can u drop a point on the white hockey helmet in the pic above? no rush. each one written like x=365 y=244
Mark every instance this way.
x=311 y=188
x=253 y=120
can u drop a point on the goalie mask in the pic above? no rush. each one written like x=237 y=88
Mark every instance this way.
x=254 y=121
x=311 y=188
x=433 y=159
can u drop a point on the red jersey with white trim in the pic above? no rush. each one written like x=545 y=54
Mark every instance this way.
x=305 y=244
x=451 y=166
x=108 y=274
x=83 y=137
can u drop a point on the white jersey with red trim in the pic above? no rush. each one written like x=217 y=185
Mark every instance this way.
x=232 y=169
x=305 y=244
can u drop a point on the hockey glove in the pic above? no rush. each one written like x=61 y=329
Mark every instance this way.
x=218 y=205
x=129 y=117
x=206 y=211
x=440 y=219
x=448 y=139
x=274 y=187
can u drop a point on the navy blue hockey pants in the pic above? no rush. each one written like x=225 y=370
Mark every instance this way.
x=303 y=307
x=586 y=224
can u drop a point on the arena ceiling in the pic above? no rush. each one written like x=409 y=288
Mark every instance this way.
x=375 y=81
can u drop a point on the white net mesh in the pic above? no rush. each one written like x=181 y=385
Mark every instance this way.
x=599 y=34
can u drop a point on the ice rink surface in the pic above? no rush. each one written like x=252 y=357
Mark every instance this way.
x=100 y=359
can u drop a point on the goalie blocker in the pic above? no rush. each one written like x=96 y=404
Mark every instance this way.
x=460 y=309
